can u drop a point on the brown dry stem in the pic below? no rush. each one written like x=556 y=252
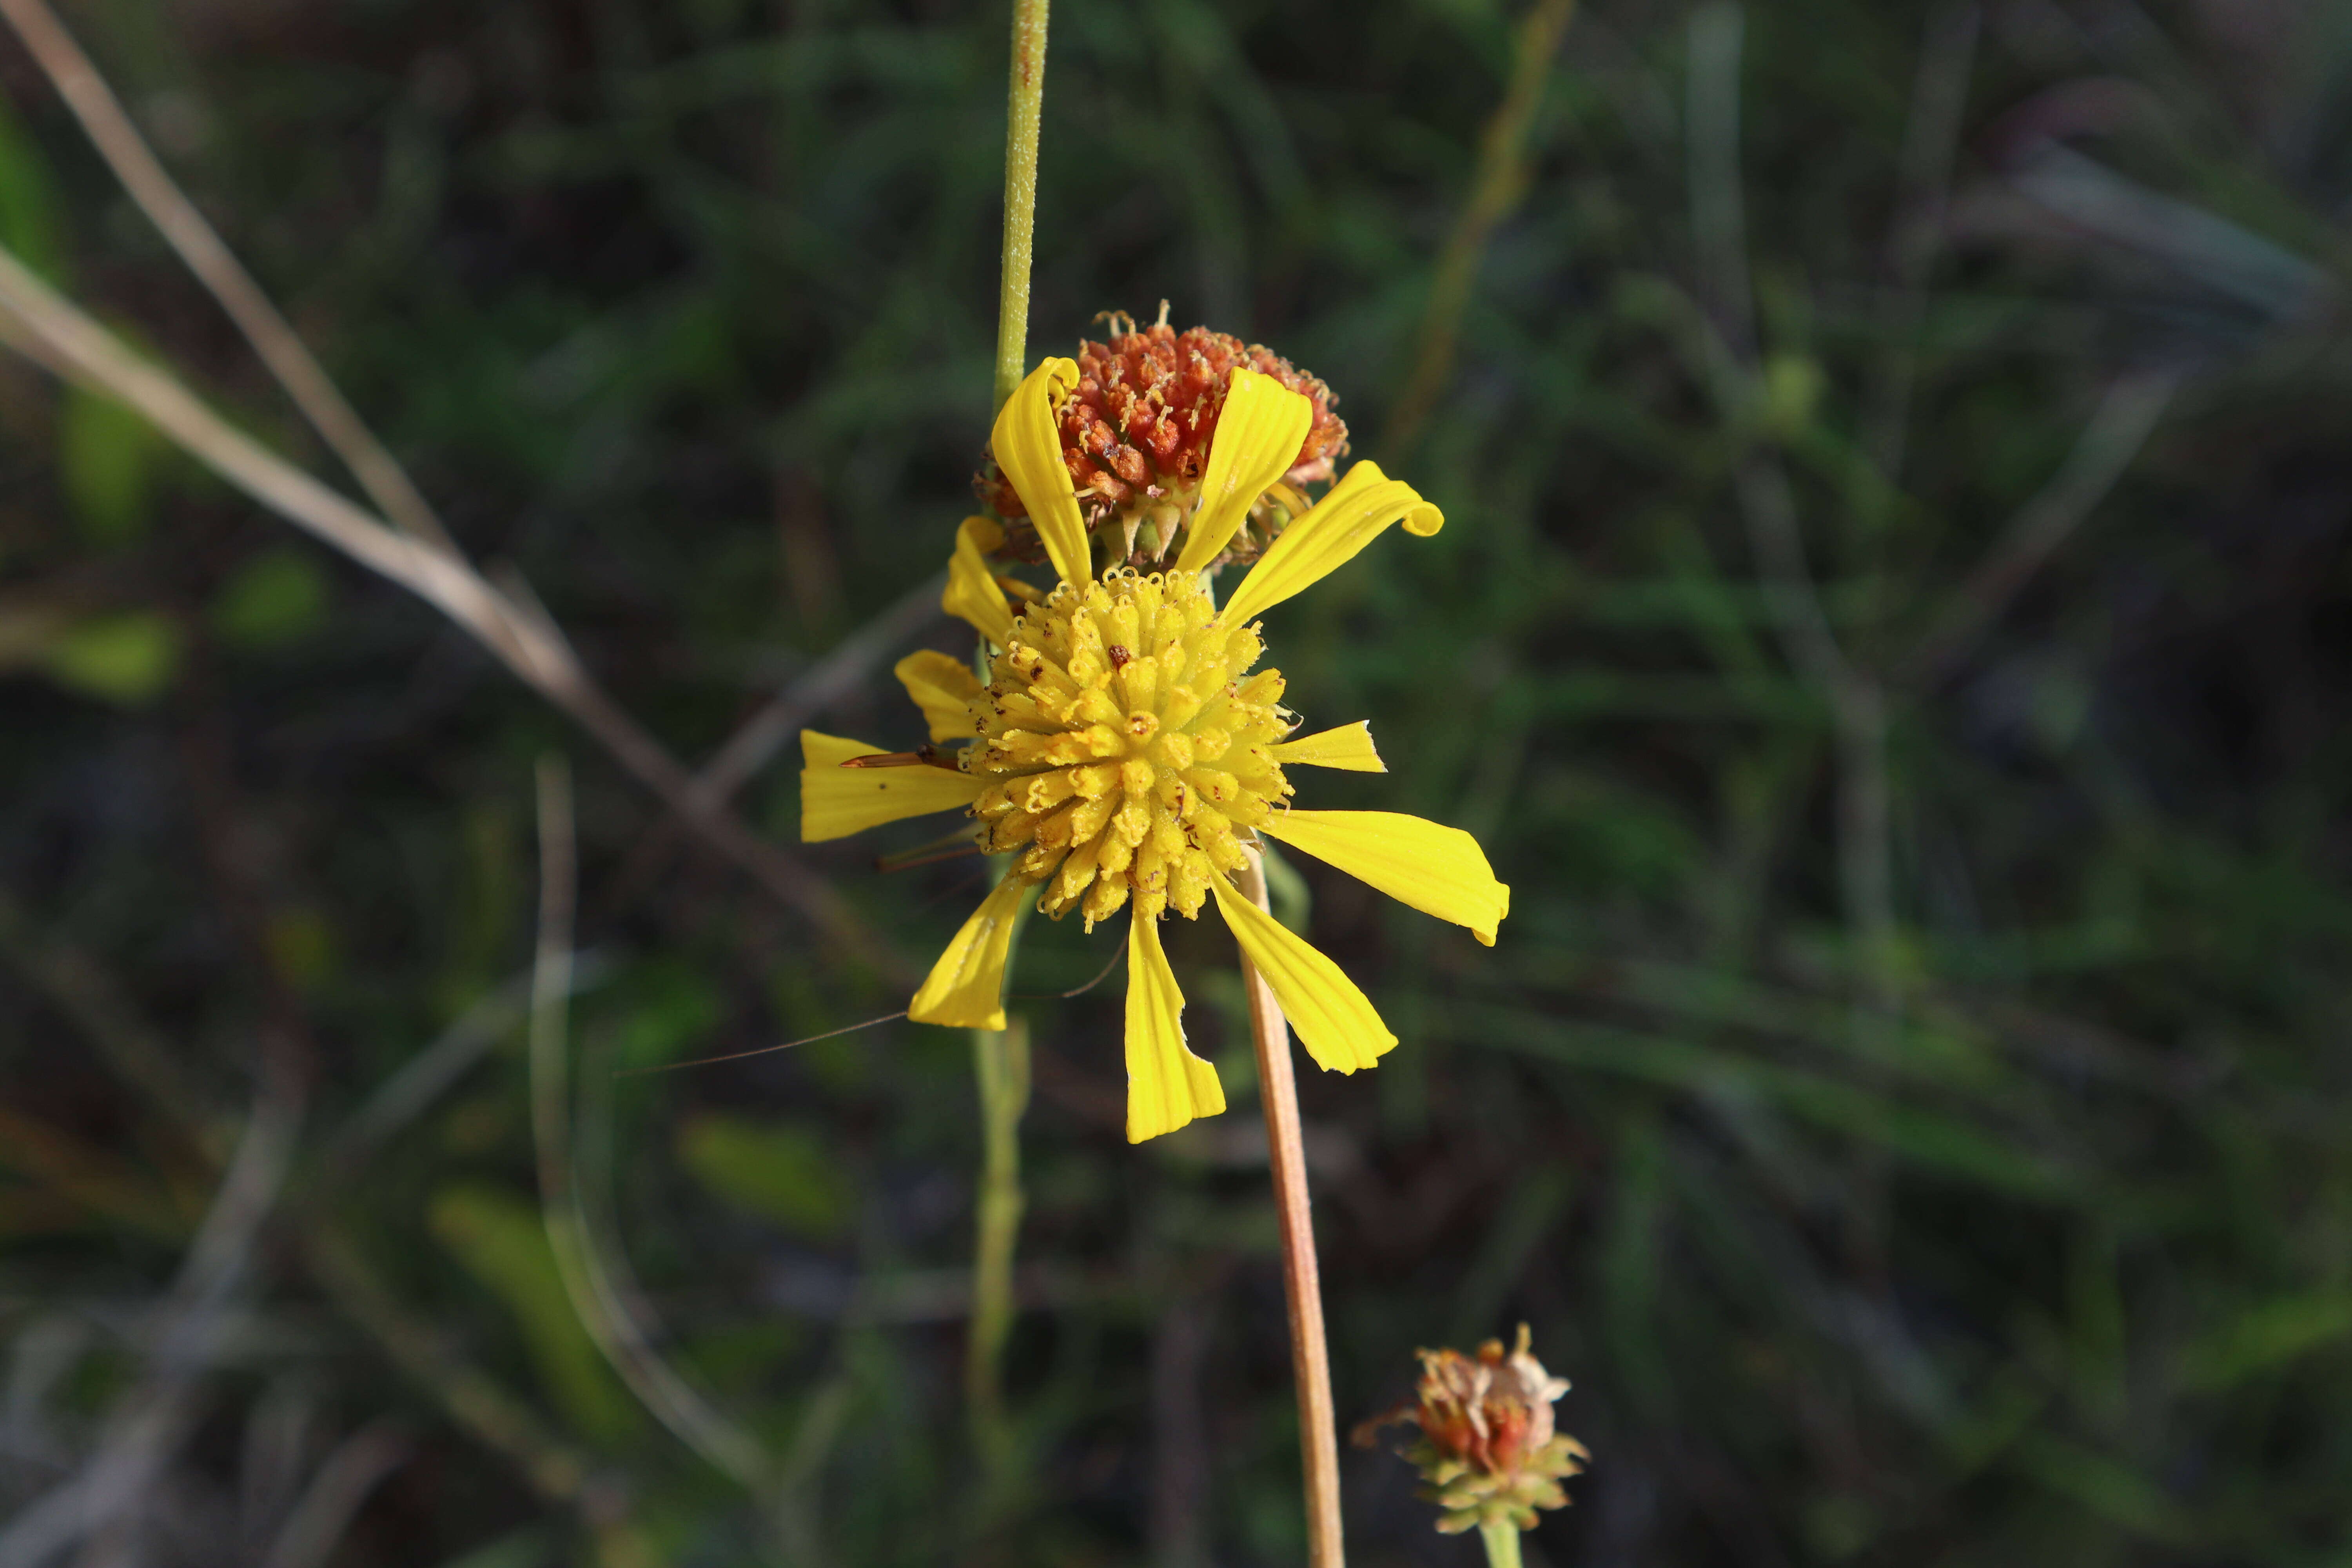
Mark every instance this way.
x=1302 y=1287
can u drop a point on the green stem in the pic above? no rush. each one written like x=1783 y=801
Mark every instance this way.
x=1502 y=1545
x=1027 y=101
x=1001 y=1057
x=1001 y=1060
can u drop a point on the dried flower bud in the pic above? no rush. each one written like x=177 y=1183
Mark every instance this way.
x=1487 y=1448
x=1136 y=434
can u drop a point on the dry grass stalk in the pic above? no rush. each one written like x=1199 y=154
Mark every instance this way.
x=523 y=638
x=209 y=258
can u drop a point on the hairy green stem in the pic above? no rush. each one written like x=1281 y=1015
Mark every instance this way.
x=1026 y=100
x=1502 y=1545
x=1001 y=1059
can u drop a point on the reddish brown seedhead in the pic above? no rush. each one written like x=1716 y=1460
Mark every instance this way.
x=1139 y=424
x=1481 y=1410
x=1488 y=1450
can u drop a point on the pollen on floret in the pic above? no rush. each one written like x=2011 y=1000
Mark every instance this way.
x=1123 y=743
x=1136 y=434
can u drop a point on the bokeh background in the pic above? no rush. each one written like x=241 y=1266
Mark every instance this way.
x=1892 y=630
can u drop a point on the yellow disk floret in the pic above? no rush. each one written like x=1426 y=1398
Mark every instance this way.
x=1122 y=742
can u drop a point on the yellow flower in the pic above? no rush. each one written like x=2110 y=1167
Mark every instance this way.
x=1125 y=753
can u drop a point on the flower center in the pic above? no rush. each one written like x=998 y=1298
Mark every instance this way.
x=1124 y=740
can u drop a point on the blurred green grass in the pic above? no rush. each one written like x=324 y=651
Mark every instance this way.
x=2017 y=1232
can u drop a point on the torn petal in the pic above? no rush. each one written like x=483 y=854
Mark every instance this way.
x=1350 y=746
x=1167 y=1085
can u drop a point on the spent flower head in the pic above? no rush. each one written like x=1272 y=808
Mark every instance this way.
x=1136 y=434
x=1121 y=747
x=1487 y=1448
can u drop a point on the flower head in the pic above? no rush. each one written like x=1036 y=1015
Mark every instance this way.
x=1125 y=751
x=1487 y=1447
x=1137 y=433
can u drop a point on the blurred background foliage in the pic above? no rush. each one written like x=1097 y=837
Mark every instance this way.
x=1893 y=631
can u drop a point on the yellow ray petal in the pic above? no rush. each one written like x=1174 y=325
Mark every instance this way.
x=971 y=591
x=942 y=687
x=1028 y=447
x=836 y=802
x=1438 y=871
x=1167 y=1085
x=1355 y=513
x=1335 y=1021
x=966 y=988
x=1350 y=746
x=1259 y=432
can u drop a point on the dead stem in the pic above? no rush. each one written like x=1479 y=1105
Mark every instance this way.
x=199 y=246
x=477 y=1402
x=388 y=484
x=1857 y=700
x=529 y=644
x=594 y=1281
x=481 y=1406
x=1302 y=1288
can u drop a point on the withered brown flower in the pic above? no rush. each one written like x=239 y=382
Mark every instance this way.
x=1488 y=1449
x=1135 y=435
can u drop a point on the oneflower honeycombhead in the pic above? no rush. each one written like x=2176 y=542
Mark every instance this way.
x=1122 y=747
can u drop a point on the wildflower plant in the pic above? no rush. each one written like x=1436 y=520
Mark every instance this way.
x=1120 y=745
x=1118 y=750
